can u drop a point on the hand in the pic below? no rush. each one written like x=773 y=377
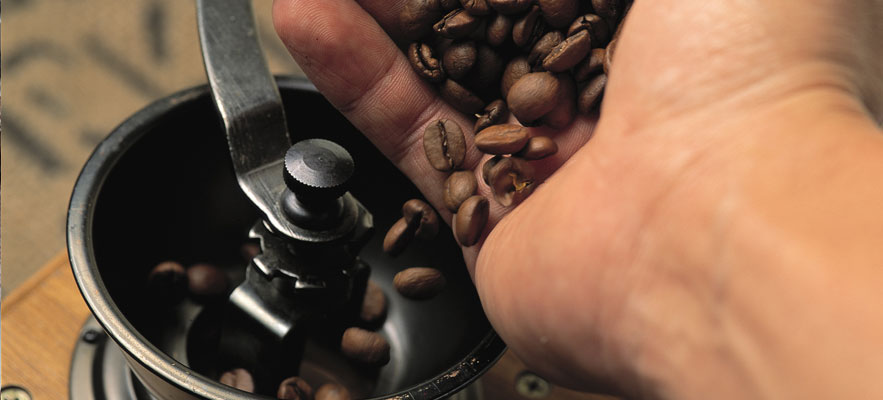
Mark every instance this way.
x=668 y=243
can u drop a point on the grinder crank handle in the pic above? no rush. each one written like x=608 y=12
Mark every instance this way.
x=249 y=104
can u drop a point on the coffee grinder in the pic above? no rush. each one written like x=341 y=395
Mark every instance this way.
x=161 y=187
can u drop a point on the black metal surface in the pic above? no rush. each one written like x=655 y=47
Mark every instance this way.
x=125 y=217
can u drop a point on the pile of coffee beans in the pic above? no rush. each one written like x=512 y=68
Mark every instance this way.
x=543 y=61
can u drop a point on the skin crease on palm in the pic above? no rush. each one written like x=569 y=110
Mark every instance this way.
x=683 y=251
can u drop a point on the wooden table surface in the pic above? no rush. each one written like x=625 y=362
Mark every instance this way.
x=40 y=322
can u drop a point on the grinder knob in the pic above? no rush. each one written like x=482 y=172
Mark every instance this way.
x=316 y=172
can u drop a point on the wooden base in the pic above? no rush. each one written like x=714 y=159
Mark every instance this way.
x=41 y=319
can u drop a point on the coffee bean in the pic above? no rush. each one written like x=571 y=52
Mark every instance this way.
x=444 y=145
x=532 y=96
x=397 y=237
x=597 y=28
x=422 y=215
x=510 y=6
x=611 y=10
x=488 y=166
x=499 y=30
x=294 y=388
x=470 y=220
x=502 y=139
x=365 y=346
x=511 y=181
x=591 y=93
x=529 y=28
x=608 y=54
x=460 y=98
x=456 y=24
x=565 y=107
x=460 y=186
x=569 y=52
x=167 y=283
x=238 y=378
x=373 y=304
x=417 y=17
x=249 y=251
x=459 y=59
x=419 y=283
x=425 y=63
x=542 y=49
x=590 y=66
x=559 y=13
x=495 y=113
x=476 y=7
x=517 y=68
x=333 y=391
x=487 y=70
x=207 y=282
x=538 y=147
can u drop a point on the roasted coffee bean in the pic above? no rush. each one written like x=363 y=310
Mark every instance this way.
x=295 y=388
x=449 y=5
x=559 y=13
x=365 y=346
x=470 y=220
x=249 y=251
x=460 y=186
x=424 y=61
x=538 y=147
x=419 y=283
x=207 y=282
x=529 y=28
x=608 y=56
x=333 y=391
x=569 y=52
x=456 y=24
x=610 y=10
x=534 y=95
x=517 y=68
x=488 y=166
x=444 y=145
x=373 y=304
x=238 y=378
x=167 y=283
x=459 y=59
x=476 y=7
x=510 y=6
x=418 y=16
x=597 y=28
x=460 y=98
x=502 y=139
x=487 y=70
x=590 y=66
x=397 y=237
x=499 y=30
x=420 y=214
x=495 y=113
x=565 y=107
x=511 y=181
x=591 y=93
x=542 y=49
